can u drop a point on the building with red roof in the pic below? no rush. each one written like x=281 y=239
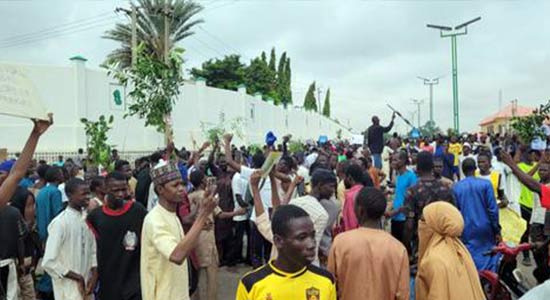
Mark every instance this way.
x=499 y=122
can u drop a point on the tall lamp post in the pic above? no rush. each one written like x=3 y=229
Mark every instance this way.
x=431 y=82
x=418 y=103
x=446 y=31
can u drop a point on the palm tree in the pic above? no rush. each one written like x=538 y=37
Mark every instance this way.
x=150 y=28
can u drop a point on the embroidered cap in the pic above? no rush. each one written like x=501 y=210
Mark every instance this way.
x=165 y=172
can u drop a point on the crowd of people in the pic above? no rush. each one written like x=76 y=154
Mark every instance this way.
x=393 y=218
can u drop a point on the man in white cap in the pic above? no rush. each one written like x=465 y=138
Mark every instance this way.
x=466 y=153
x=164 y=246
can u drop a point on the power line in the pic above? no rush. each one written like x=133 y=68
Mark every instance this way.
x=63 y=26
x=220 y=6
x=207 y=45
x=222 y=42
x=56 y=34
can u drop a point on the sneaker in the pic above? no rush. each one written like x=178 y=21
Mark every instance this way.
x=527 y=261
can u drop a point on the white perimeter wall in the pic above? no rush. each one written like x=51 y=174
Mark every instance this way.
x=74 y=92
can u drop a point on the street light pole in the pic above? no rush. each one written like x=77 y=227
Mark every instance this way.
x=431 y=82
x=418 y=103
x=446 y=31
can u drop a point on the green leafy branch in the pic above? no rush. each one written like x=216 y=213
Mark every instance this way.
x=529 y=127
x=99 y=151
x=214 y=132
x=155 y=85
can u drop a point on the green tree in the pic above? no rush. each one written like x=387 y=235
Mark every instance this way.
x=258 y=78
x=272 y=60
x=150 y=29
x=310 y=103
x=282 y=84
x=429 y=129
x=155 y=87
x=227 y=73
x=326 y=105
x=288 y=81
x=99 y=151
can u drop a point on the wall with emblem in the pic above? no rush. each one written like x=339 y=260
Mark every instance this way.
x=74 y=92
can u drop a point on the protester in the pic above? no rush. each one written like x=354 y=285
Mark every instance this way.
x=164 y=246
x=323 y=187
x=70 y=256
x=353 y=182
x=117 y=227
x=438 y=166
x=123 y=166
x=98 y=190
x=428 y=189
x=466 y=153
x=455 y=148
x=476 y=201
x=41 y=181
x=12 y=234
x=528 y=165
x=206 y=248
x=540 y=218
x=224 y=226
x=404 y=180
x=375 y=139
x=484 y=171
x=49 y=201
x=442 y=152
x=260 y=247
x=11 y=174
x=239 y=188
x=445 y=267
x=357 y=253
x=292 y=275
x=24 y=201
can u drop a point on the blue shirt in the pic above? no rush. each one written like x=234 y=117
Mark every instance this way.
x=26 y=183
x=476 y=201
x=48 y=205
x=402 y=183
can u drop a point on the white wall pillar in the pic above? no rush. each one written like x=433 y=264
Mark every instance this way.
x=79 y=136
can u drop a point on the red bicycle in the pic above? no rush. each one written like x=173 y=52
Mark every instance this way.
x=508 y=283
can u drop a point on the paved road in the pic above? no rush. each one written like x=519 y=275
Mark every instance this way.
x=228 y=280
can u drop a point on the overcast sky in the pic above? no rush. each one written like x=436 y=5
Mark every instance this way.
x=368 y=52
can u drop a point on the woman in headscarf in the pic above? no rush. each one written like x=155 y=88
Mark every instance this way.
x=24 y=201
x=445 y=267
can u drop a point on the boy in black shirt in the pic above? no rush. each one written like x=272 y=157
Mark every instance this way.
x=117 y=228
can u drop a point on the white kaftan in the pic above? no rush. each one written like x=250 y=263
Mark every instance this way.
x=70 y=247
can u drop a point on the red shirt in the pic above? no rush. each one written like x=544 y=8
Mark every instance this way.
x=545 y=196
x=348 y=214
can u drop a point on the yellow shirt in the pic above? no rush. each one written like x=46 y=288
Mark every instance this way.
x=270 y=283
x=456 y=150
x=526 y=196
x=160 y=278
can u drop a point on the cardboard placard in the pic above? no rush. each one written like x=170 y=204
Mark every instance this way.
x=18 y=95
x=3 y=154
x=271 y=161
